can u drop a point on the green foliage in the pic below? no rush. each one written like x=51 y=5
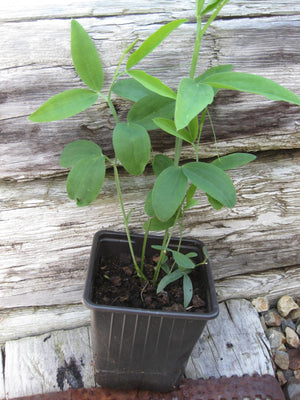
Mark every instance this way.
x=145 y=110
x=78 y=150
x=64 y=105
x=152 y=42
x=192 y=98
x=130 y=89
x=85 y=57
x=168 y=192
x=152 y=83
x=132 y=147
x=179 y=113
x=85 y=180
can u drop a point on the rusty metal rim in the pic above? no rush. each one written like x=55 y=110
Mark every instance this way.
x=233 y=388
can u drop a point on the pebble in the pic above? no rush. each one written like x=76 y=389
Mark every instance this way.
x=294 y=356
x=261 y=304
x=282 y=359
x=292 y=338
x=280 y=377
x=272 y=318
x=292 y=389
x=297 y=373
x=276 y=338
x=285 y=305
x=295 y=314
x=287 y=323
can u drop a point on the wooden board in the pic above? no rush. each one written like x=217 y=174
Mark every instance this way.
x=49 y=363
x=46 y=239
x=232 y=344
x=37 y=64
x=2 y=387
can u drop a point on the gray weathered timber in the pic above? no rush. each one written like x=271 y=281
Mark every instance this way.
x=46 y=239
x=49 y=363
x=2 y=388
x=232 y=344
x=37 y=64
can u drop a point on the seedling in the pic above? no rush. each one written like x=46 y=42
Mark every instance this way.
x=178 y=112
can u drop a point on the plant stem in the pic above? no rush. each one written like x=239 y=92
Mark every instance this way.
x=144 y=244
x=162 y=253
x=178 y=146
x=118 y=186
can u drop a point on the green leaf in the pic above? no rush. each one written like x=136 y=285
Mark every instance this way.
x=149 y=107
x=190 y=204
x=152 y=42
x=132 y=147
x=252 y=84
x=156 y=225
x=166 y=280
x=85 y=57
x=148 y=205
x=214 y=203
x=182 y=260
x=192 y=98
x=168 y=192
x=234 y=160
x=64 y=105
x=75 y=151
x=194 y=128
x=212 y=180
x=212 y=5
x=85 y=180
x=168 y=126
x=152 y=83
x=214 y=70
x=187 y=290
x=160 y=163
x=130 y=89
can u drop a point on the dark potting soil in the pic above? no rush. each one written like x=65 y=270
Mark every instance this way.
x=117 y=284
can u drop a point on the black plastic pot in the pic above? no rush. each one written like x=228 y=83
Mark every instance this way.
x=137 y=348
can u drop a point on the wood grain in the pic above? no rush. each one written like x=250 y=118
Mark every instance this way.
x=49 y=363
x=232 y=344
x=37 y=64
x=45 y=239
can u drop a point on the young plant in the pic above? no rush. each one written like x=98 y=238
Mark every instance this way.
x=180 y=113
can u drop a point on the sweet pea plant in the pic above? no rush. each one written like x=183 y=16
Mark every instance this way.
x=180 y=113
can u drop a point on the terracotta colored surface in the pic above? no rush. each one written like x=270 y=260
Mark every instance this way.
x=230 y=388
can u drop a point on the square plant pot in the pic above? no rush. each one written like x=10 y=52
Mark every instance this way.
x=140 y=348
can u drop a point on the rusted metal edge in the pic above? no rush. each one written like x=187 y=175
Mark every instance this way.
x=223 y=388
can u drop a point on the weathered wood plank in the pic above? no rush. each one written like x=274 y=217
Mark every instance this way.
x=30 y=77
x=2 y=387
x=49 y=363
x=45 y=239
x=232 y=344
x=272 y=284
x=32 y=321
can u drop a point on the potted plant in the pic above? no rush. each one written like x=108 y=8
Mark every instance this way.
x=142 y=339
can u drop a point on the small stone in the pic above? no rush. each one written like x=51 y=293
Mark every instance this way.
x=285 y=305
x=276 y=338
x=280 y=377
x=263 y=323
x=297 y=374
x=282 y=359
x=294 y=356
x=287 y=323
x=282 y=347
x=292 y=338
x=298 y=328
x=295 y=314
x=288 y=374
x=272 y=318
x=292 y=389
x=261 y=304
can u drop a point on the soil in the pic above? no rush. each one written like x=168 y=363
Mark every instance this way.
x=116 y=283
